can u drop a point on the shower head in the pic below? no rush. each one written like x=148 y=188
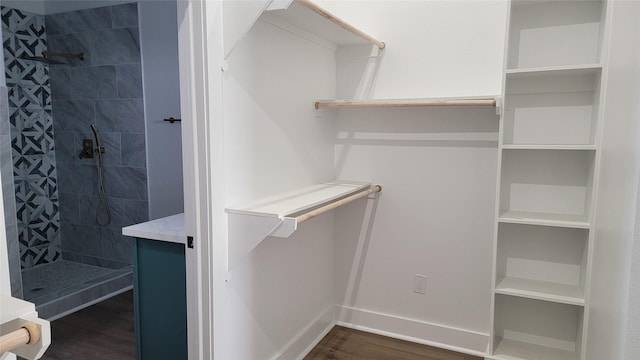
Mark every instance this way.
x=42 y=59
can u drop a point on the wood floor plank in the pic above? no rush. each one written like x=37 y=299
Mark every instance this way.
x=347 y=344
x=104 y=331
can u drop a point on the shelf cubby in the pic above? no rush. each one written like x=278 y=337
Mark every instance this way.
x=546 y=187
x=552 y=33
x=544 y=219
x=542 y=262
x=537 y=330
x=552 y=106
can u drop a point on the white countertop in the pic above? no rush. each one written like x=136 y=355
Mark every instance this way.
x=170 y=229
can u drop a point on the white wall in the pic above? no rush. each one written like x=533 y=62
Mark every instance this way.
x=274 y=143
x=434 y=48
x=437 y=167
x=632 y=346
x=618 y=186
x=159 y=51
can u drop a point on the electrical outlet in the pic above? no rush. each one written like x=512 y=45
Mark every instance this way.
x=420 y=284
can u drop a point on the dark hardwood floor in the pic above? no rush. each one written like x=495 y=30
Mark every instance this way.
x=104 y=331
x=347 y=344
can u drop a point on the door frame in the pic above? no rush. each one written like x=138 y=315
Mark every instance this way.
x=200 y=54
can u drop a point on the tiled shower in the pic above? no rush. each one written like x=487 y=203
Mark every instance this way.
x=60 y=258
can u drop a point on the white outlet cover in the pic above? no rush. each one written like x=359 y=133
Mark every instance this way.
x=420 y=284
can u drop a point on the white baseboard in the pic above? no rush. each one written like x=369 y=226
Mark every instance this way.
x=437 y=335
x=309 y=337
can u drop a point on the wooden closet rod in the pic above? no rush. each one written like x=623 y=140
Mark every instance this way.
x=29 y=333
x=403 y=103
x=321 y=210
x=343 y=24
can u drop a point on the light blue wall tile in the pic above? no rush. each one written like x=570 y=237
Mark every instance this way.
x=60 y=83
x=125 y=15
x=95 y=82
x=124 y=115
x=133 y=150
x=129 y=79
x=116 y=246
x=69 y=207
x=6 y=171
x=81 y=239
x=13 y=251
x=67 y=149
x=73 y=115
x=136 y=211
x=113 y=148
x=127 y=182
x=89 y=205
x=118 y=46
x=78 y=21
x=93 y=260
x=5 y=129
x=73 y=44
x=78 y=179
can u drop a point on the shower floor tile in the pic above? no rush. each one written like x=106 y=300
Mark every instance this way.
x=62 y=287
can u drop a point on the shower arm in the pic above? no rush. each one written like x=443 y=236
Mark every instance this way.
x=49 y=54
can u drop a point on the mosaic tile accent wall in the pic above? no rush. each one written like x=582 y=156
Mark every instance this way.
x=104 y=89
x=32 y=143
x=9 y=200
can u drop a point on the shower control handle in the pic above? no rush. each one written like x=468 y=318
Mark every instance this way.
x=87 y=149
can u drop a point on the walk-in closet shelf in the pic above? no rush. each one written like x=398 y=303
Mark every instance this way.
x=535 y=330
x=542 y=262
x=552 y=106
x=316 y=22
x=547 y=184
x=549 y=153
x=491 y=102
x=554 y=33
x=279 y=215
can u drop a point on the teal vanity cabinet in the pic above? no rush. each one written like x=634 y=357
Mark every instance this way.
x=159 y=287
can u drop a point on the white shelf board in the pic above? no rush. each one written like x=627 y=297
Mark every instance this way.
x=541 y=290
x=551 y=70
x=473 y=101
x=532 y=218
x=515 y=350
x=281 y=205
x=548 y=147
x=311 y=23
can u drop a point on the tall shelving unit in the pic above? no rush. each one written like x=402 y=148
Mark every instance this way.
x=547 y=175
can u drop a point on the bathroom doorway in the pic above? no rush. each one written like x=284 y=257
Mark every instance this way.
x=69 y=187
